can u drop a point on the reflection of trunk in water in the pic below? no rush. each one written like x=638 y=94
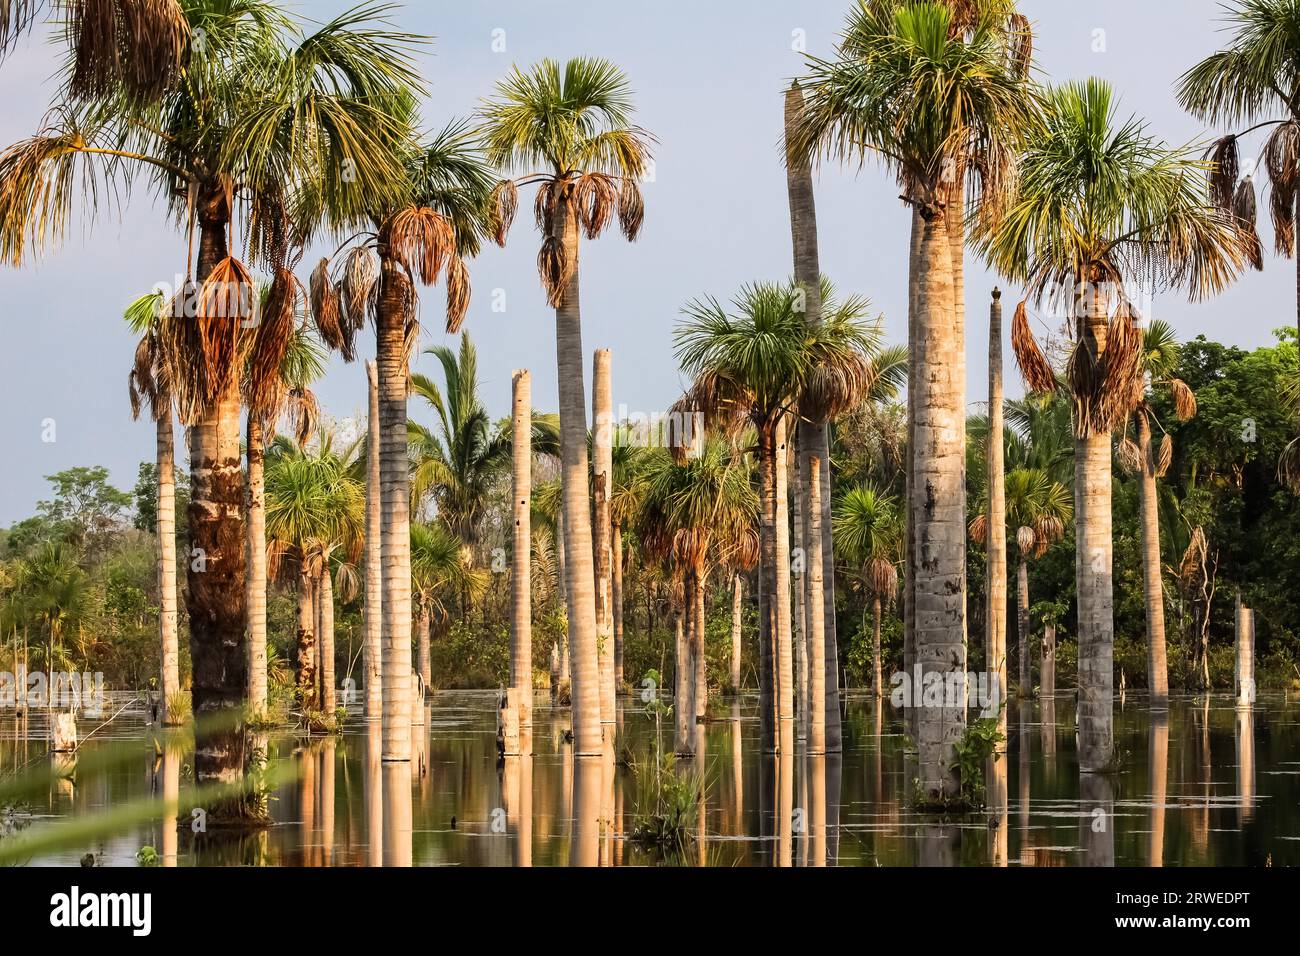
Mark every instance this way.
x=397 y=814
x=1024 y=773
x=325 y=796
x=1245 y=765
x=584 y=847
x=373 y=784
x=997 y=799
x=1097 y=819
x=1158 y=761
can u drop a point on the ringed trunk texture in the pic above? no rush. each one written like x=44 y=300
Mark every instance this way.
x=938 y=494
x=561 y=570
x=995 y=637
x=1093 y=568
x=683 y=686
x=1244 y=666
x=581 y=589
x=170 y=679
x=602 y=477
x=1022 y=627
x=781 y=580
x=617 y=542
x=521 y=582
x=878 y=682
x=1157 y=666
x=737 y=612
x=306 y=640
x=395 y=531
x=909 y=517
x=216 y=596
x=256 y=586
x=423 y=627
x=816 y=613
x=1047 y=666
x=800 y=595
x=699 y=663
x=372 y=652
x=329 y=696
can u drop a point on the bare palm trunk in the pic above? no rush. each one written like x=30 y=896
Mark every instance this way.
x=683 y=683
x=372 y=652
x=814 y=437
x=784 y=651
x=562 y=578
x=581 y=591
x=699 y=663
x=395 y=294
x=909 y=516
x=216 y=577
x=878 y=682
x=938 y=561
x=256 y=584
x=167 y=605
x=737 y=610
x=1093 y=566
x=1047 y=666
x=521 y=580
x=1022 y=628
x=1157 y=667
x=423 y=627
x=1244 y=664
x=617 y=542
x=816 y=613
x=800 y=597
x=306 y=640
x=602 y=477
x=995 y=639
x=329 y=698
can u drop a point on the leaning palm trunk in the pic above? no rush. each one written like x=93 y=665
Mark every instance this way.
x=938 y=557
x=816 y=612
x=329 y=699
x=256 y=585
x=1022 y=628
x=1093 y=567
x=306 y=639
x=395 y=294
x=581 y=589
x=1157 y=668
x=995 y=640
x=215 y=597
x=372 y=651
x=737 y=609
x=167 y=610
x=521 y=581
x=602 y=479
x=814 y=436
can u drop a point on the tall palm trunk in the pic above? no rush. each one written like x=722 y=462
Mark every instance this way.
x=166 y=530
x=799 y=590
x=256 y=585
x=699 y=664
x=423 y=660
x=1093 y=566
x=521 y=580
x=683 y=683
x=562 y=581
x=1157 y=668
x=616 y=539
x=938 y=560
x=1022 y=628
x=878 y=683
x=395 y=548
x=737 y=610
x=581 y=590
x=909 y=516
x=816 y=613
x=329 y=698
x=306 y=639
x=215 y=597
x=814 y=437
x=995 y=638
x=1047 y=664
x=602 y=477
x=372 y=650
x=784 y=649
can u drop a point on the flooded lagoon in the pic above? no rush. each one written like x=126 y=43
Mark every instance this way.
x=1204 y=785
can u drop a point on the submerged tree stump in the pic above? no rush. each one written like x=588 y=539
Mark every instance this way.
x=63 y=732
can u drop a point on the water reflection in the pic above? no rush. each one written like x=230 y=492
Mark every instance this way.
x=1191 y=781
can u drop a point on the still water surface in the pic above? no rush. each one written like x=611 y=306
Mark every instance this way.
x=1206 y=785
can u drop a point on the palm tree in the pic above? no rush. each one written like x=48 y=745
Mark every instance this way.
x=1159 y=362
x=602 y=477
x=438 y=569
x=870 y=543
x=574 y=122
x=434 y=220
x=1254 y=82
x=149 y=382
x=995 y=634
x=939 y=94
x=521 y=578
x=1096 y=204
x=373 y=652
x=626 y=499
x=263 y=110
x=753 y=366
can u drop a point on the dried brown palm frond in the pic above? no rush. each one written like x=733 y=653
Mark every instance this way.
x=547 y=203
x=743 y=550
x=1048 y=528
x=1195 y=555
x=720 y=404
x=1184 y=399
x=140 y=382
x=631 y=209
x=979 y=529
x=358 y=287
x=324 y=298
x=263 y=387
x=1121 y=380
x=1282 y=157
x=553 y=266
x=271 y=231
x=882 y=578
x=835 y=386
x=1021 y=42
x=457 y=293
x=1129 y=456
x=411 y=340
x=182 y=348
x=302 y=411
x=690 y=546
x=137 y=46
x=225 y=301
x=16 y=16
x=421 y=240
x=1084 y=377
x=1034 y=367
x=1225 y=166
x=1246 y=211
x=504 y=203
x=1026 y=540
x=595 y=197
x=1165 y=457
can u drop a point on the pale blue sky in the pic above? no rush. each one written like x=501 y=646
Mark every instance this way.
x=708 y=79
